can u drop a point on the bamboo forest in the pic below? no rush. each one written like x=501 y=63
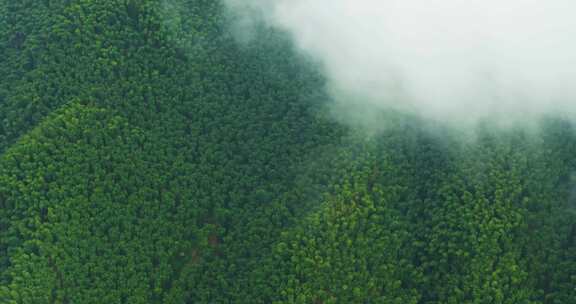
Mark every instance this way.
x=149 y=155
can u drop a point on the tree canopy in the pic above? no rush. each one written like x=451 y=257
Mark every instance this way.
x=149 y=156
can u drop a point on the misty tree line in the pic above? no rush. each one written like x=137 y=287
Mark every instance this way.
x=148 y=157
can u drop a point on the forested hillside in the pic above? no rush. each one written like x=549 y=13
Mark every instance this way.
x=149 y=156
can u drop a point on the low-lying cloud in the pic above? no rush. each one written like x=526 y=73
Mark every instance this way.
x=452 y=60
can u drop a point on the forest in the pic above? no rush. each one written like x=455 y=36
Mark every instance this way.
x=148 y=156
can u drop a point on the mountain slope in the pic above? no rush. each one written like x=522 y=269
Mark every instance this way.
x=148 y=156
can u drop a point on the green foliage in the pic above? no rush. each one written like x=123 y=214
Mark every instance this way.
x=146 y=156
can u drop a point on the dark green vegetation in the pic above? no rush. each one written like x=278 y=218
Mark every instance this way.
x=147 y=157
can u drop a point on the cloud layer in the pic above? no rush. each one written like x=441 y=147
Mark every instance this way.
x=454 y=60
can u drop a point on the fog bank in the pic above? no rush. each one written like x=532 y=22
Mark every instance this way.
x=452 y=60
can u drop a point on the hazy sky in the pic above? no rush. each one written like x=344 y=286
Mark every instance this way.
x=445 y=59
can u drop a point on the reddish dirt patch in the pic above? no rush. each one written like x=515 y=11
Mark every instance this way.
x=213 y=240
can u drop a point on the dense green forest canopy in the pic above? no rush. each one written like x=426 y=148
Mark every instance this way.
x=148 y=156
